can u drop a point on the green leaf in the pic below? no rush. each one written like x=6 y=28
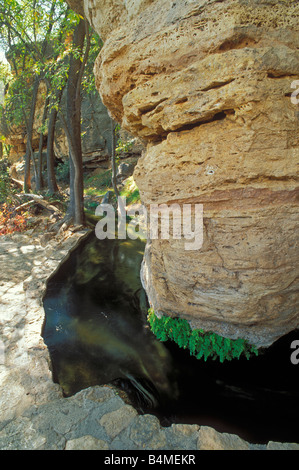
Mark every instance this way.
x=200 y=343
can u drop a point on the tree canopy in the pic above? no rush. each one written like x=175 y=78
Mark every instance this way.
x=46 y=42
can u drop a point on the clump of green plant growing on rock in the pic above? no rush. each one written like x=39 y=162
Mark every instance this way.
x=201 y=344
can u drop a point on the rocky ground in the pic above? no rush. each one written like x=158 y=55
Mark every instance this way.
x=34 y=414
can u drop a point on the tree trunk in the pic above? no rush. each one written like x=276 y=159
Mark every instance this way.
x=40 y=180
x=29 y=150
x=51 y=177
x=73 y=109
x=113 y=159
x=52 y=183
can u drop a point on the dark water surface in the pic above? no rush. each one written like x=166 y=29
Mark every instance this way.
x=97 y=334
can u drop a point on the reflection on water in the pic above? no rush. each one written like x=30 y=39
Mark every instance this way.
x=95 y=325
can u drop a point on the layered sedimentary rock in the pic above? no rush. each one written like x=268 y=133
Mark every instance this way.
x=96 y=125
x=16 y=136
x=208 y=85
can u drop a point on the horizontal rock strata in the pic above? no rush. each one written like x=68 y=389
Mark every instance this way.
x=208 y=85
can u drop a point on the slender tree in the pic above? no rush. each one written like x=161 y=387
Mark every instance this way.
x=27 y=26
x=53 y=45
x=113 y=158
x=72 y=124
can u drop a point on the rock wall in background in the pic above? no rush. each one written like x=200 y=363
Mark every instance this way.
x=207 y=84
x=96 y=131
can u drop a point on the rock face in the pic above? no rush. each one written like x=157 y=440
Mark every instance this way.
x=207 y=84
x=16 y=136
x=96 y=126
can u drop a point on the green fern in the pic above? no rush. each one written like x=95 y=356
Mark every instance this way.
x=200 y=343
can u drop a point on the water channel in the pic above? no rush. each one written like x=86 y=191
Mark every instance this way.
x=96 y=332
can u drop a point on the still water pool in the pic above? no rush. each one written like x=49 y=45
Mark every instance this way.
x=96 y=332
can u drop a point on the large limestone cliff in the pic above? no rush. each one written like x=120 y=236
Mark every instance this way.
x=207 y=84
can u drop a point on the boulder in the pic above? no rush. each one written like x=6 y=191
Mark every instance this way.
x=210 y=439
x=208 y=86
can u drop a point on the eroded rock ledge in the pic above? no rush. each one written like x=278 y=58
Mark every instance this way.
x=207 y=85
